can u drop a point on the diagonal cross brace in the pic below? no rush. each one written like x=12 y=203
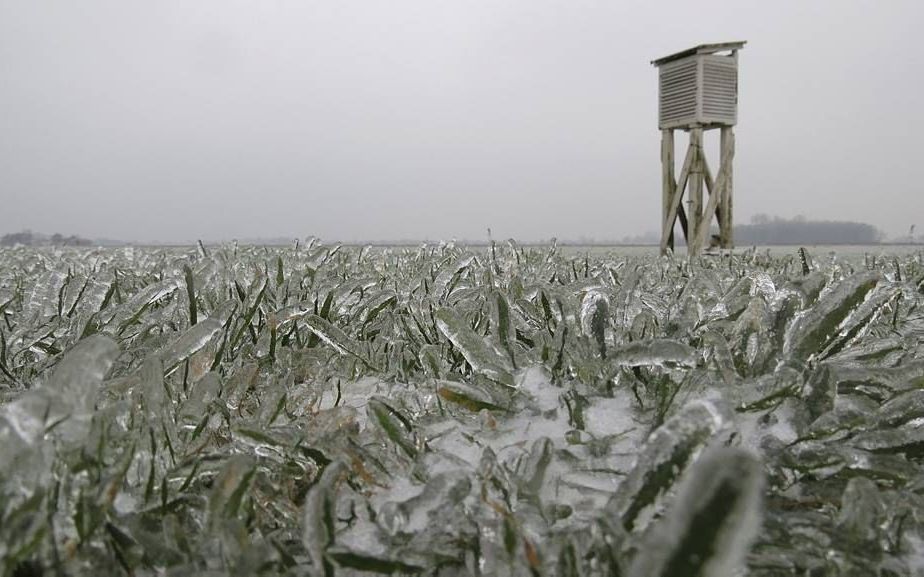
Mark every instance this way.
x=676 y=197
x=716 y=193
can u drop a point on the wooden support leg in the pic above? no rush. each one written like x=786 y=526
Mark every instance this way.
x=668 y=184
x=728 y=154
x=696 y=191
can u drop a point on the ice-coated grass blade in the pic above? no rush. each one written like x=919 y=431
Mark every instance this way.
x=231 y=487
x=367 y=563
x=902 y=408
x=669 y=450
x=22 y=530
x=503 y=324
x=594 y=317
x=479 y=356
x=441 y=493
x=804 y=260
x=536 y=464
x=860 y=319
x=862 y=512
x=191 y=295
x=813 y=331
x=712 y=521
x=190 y=342
x=656 y=353
x=397 y=427
x=449 y=274
x=335 y=338
x=248 y=315
x=320 y=517
x=130 y=312
x=78 y=376
x=467 y=396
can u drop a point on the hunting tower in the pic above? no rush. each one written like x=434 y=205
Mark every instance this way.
x=697 y=91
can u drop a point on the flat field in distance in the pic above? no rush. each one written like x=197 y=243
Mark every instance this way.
x=443 y=410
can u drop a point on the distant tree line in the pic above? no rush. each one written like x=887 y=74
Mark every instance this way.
x=764 y=230
x=29 y=238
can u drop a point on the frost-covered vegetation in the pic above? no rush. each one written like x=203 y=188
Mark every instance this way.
x=326 y=410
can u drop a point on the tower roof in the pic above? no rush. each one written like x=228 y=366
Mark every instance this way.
x=701 y=49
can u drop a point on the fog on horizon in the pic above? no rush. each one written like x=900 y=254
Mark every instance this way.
x=413 y=119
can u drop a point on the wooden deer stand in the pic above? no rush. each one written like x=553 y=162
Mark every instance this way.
x=698 y=91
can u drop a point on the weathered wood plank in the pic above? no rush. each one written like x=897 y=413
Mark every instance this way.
x=696 y=188
x=668 y=184
x=728 y=155
x=707 y=176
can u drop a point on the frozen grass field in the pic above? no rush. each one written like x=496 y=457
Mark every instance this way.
x=442 y=410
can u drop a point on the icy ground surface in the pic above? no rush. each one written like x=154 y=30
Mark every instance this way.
x=328 y=410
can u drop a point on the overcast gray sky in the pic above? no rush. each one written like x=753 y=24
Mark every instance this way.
x=215 y=119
